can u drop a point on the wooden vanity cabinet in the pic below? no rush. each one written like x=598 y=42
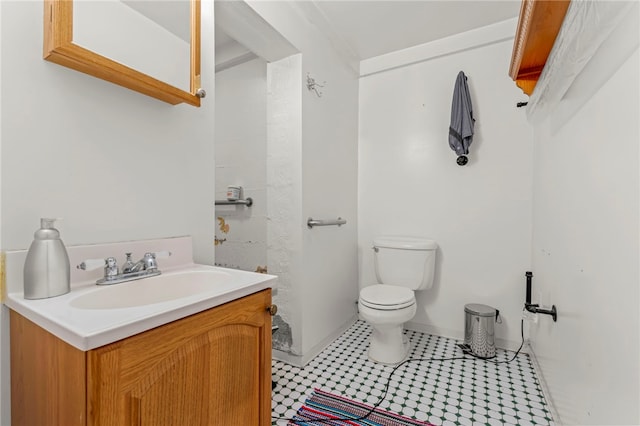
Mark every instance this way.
x=211 y=368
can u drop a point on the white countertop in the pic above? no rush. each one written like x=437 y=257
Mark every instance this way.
x=87 y=328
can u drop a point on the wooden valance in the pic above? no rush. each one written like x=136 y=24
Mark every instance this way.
x=538 y=26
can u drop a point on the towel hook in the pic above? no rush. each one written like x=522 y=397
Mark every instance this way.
x=313 y=85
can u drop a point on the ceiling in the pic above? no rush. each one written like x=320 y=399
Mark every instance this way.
x=373 y=28
x=222 y=39
x=369 y=28
x=173 y=15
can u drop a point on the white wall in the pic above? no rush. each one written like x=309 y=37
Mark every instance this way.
x=410 y=184
x=330 y=188
x=4 y=337
x=121 y=33
x=284 y=200
x=327 y=283
x=241 y=159
x=585 y=244
x=115 y=164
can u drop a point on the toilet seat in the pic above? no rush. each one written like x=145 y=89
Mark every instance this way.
x=387 y=297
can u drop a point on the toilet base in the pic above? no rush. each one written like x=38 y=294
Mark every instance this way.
x=388 y=345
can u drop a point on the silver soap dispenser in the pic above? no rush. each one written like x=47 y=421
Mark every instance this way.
x=46 y=269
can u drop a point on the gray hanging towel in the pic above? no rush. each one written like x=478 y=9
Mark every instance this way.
x=461 y=127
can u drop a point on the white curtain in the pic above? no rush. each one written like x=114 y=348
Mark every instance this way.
x=586 y=26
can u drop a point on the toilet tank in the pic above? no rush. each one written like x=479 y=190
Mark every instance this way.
x=405 y=261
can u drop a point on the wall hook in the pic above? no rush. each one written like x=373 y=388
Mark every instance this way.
x=313 y=85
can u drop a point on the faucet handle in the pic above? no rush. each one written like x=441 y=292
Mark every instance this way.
x=162 y=254
x=149 y=259
x=110 y=266
x=91 y=264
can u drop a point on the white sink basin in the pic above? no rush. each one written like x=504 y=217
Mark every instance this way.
x=158 y=289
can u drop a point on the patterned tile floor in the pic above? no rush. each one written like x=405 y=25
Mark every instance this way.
x=460 y=392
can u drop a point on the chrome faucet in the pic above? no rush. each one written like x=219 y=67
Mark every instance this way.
x=144 y=268
x=147 y=263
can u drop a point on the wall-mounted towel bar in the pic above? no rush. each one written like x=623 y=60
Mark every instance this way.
x=248 y=202
x=314 y=222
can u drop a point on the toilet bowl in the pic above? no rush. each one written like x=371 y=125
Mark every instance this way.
x=403 y=264
x=386 y=308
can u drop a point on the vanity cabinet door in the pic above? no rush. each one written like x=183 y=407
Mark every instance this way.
x=212 y=368
x=47 y=377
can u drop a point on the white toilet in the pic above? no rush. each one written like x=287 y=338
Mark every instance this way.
x=403 y=265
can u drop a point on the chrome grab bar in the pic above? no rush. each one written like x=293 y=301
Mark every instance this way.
x=314 y=222
x=248 y=202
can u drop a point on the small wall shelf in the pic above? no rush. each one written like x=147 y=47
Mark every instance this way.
x=246 y=202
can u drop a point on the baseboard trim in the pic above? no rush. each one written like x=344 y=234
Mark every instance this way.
x=543 y=384
x=291 y=359
x=459 y=335
x=304 y=359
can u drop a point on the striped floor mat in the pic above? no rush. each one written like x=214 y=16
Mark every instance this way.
x=335 y=410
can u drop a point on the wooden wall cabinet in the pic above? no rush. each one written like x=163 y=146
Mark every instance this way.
x=60 y=48
x=211 y=368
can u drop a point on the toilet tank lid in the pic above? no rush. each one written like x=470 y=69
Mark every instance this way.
x=406 y=243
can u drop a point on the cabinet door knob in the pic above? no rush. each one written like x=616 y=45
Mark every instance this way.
x=272 y=309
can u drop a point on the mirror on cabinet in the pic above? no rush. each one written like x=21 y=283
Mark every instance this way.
x=152 y=47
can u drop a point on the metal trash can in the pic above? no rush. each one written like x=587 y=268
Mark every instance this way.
x=479 y=334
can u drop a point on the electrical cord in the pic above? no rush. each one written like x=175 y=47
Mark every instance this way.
x=519 y=349
x=386 y=388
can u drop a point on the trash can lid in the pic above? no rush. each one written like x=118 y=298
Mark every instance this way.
x=480 y=310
